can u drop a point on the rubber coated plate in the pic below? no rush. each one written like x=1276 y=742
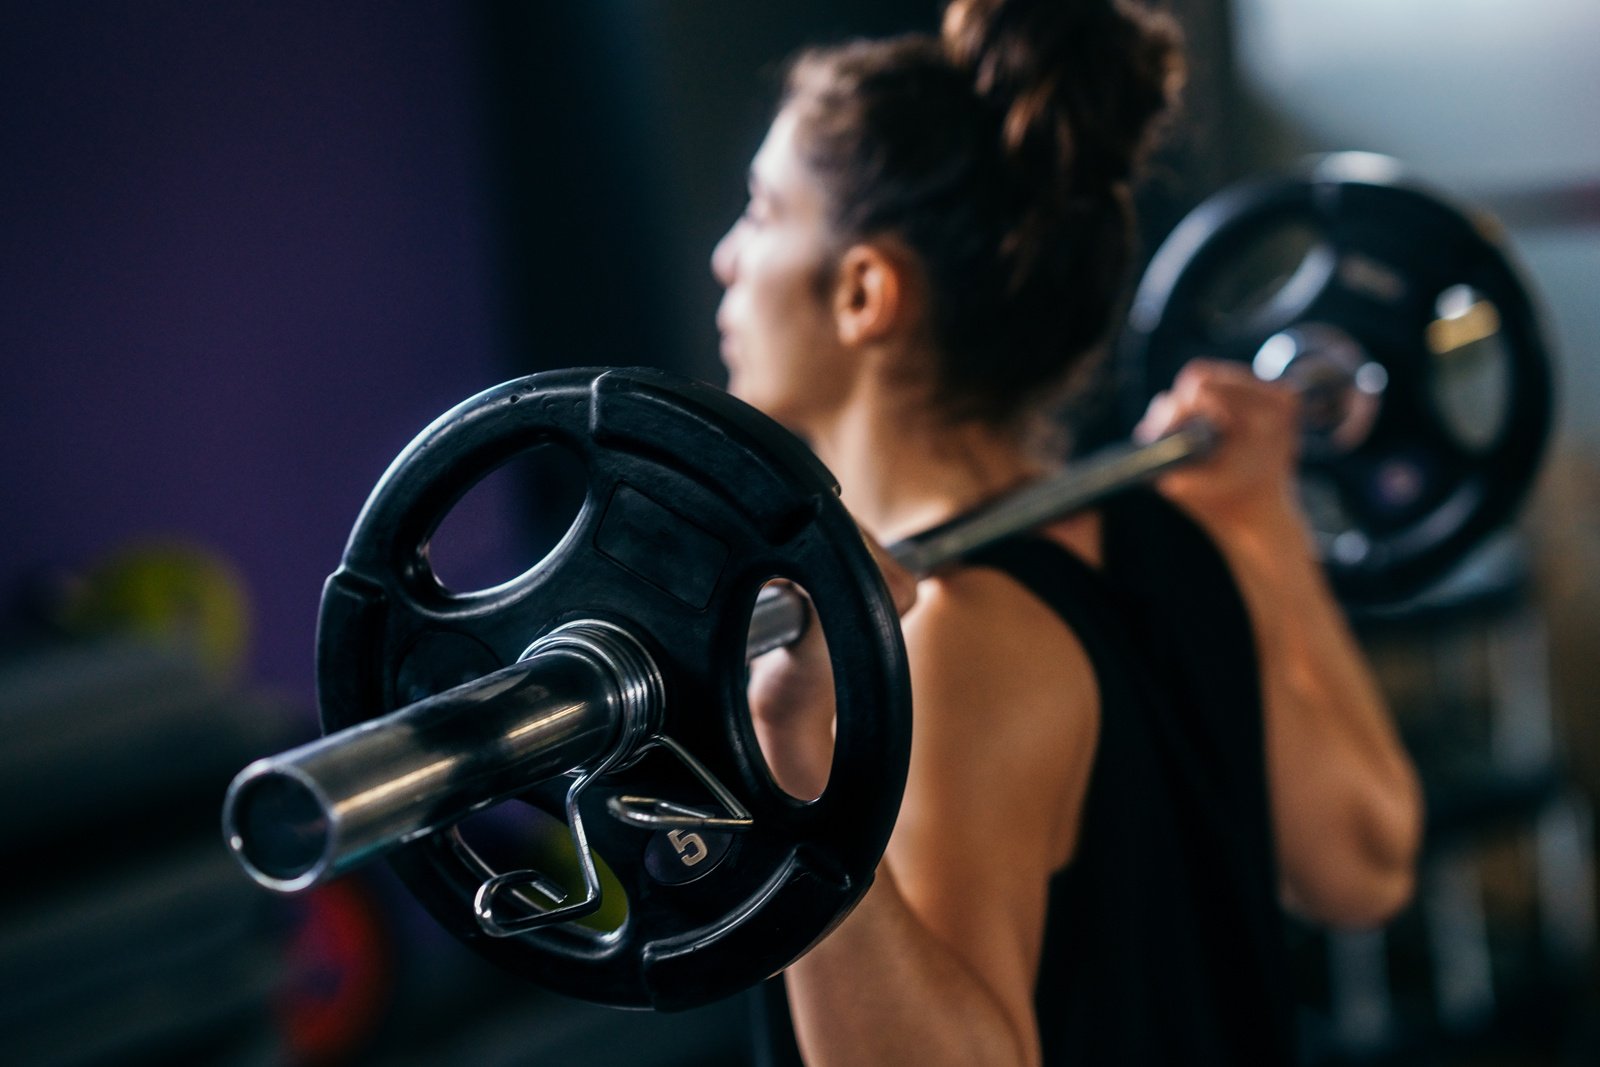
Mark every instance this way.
x=694 y=500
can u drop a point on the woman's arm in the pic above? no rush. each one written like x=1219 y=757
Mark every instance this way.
x=1346 y=801
x=938 y=962
x=1347 y=806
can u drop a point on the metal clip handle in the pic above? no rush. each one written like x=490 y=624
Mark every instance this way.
x=491 y=893
x=654 y=813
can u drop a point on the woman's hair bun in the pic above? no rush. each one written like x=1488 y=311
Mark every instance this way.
x=1081 y=85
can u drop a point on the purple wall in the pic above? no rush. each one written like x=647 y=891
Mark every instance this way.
x=245 y=254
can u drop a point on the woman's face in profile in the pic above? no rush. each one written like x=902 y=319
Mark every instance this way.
x=779 y=341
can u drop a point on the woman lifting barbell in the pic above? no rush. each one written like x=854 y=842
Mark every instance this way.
x=1137 y=729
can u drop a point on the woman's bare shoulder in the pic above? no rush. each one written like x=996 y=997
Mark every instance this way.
x=1007 y=706
x=982 y=625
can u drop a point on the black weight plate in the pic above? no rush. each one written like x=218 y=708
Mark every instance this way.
x=694 y=501
x=1353 y=243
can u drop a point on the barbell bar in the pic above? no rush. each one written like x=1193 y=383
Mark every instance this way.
x=780 y=617
x=581 y=699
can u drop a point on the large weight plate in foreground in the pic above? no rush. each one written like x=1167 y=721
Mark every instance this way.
x=1425 y=289
x=693 y=501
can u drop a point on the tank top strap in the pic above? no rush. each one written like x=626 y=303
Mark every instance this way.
x=1080 y=595
x=1051 y=570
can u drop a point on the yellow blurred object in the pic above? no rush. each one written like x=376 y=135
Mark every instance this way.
x=1451 y=333
x=163 y=590
x=523 y=835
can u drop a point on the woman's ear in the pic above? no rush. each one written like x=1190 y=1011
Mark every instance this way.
x=871 y=300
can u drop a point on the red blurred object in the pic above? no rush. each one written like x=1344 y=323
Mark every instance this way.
x=338 y=974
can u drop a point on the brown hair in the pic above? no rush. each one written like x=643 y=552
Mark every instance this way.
x=1003 y=154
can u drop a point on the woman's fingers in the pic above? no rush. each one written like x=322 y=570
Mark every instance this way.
x=1258 y=426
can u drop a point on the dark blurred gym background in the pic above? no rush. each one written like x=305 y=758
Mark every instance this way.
x=247 y=251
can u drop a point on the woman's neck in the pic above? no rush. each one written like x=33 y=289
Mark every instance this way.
x=902 y=469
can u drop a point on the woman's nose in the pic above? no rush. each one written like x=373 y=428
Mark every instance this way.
x=722 y=256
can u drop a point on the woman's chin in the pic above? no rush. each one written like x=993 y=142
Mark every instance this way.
x=741 y=387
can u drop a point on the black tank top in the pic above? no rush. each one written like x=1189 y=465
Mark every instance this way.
x=1164 y=940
